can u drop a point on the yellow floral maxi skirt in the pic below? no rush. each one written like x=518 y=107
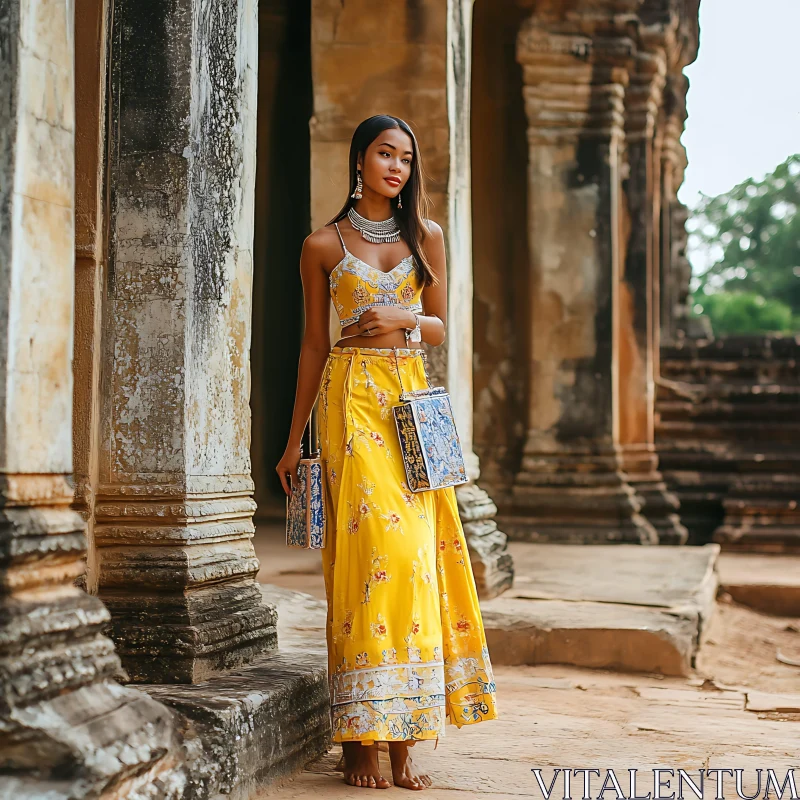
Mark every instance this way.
x=406 y=645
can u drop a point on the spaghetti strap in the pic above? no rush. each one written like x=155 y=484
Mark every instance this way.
x=336 y=225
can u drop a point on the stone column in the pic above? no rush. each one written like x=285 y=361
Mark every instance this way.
x=571 y=486
x=91 y=38
x=66 y=728
x=639 y=339
x=422 y=74
x=675 y=268
x=681 y=26
x=492 y=564
x=173 y=514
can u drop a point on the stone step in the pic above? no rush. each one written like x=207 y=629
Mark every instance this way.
x=768 y=583
x=732 y=348
x=741 y=432
x=745 y=371
x=257 y=725
x=621 y=607
x=725 y=410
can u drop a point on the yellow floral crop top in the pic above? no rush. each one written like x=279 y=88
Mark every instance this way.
x=355 y=286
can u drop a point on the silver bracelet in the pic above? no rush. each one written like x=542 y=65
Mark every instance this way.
x=413 y=334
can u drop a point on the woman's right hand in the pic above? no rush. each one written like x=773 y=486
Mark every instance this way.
x=287 y=467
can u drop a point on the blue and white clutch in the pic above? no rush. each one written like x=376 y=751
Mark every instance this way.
x=305 y=509
x=429 y=442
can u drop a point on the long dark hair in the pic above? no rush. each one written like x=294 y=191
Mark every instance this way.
x=411 y=217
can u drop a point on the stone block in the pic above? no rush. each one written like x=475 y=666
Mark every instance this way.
x=247 y=729
x=770 y=701
x=587 y=634
x=616 y=607
x=101 y=739
x=256 y=725
x=200 y=634
x=768 y=583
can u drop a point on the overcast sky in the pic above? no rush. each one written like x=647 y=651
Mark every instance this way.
x=744 y=98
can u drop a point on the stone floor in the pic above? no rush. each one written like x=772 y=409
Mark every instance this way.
x=737 y=706
x=290 y=567
x=752 y=649
x=578 y=718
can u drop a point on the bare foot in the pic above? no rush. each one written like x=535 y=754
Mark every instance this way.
x=405 y=773
x=383 y=747
x=361 y=766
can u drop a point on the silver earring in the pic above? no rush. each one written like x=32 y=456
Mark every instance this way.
x=399 y=201
x=359 y=186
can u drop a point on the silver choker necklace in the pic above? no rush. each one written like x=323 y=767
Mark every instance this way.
x=376 y=232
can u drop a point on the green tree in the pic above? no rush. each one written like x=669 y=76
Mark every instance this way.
x=742 y=313
x=752 y=237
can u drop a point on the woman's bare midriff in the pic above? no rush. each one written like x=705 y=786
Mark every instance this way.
x=393 y=339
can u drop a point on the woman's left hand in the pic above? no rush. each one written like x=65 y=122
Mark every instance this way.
x=384 y=319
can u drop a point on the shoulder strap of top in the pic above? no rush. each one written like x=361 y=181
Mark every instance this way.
x=336 y=225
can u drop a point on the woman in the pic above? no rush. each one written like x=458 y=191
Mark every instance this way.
x=406 y=646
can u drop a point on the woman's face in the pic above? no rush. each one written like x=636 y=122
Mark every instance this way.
x=386 y=165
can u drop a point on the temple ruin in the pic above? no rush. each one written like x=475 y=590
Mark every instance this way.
x=162 y=163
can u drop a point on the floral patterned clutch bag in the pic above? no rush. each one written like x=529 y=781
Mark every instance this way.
x=429 y=442
x=305 y=509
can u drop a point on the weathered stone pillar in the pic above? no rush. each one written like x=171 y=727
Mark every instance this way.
x=91 y=39
x=639 y=334
x=491 y=562
x=66 y=728
x=424 y=49
x=571 y=486
x=675 y=267
x=173 y=514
